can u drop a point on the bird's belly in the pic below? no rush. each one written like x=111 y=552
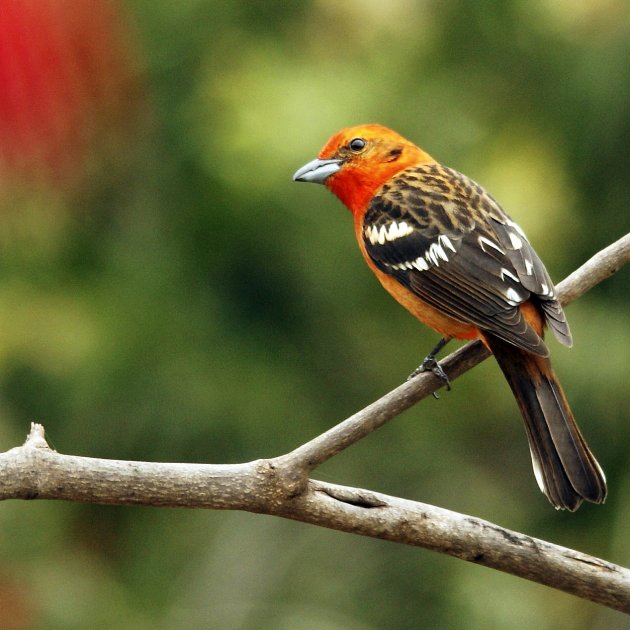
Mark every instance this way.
x=430 y=316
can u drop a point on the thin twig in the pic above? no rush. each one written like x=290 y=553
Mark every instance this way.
x=595 y=270
x=321 y=448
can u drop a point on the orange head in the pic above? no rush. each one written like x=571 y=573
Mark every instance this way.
x=357 y=161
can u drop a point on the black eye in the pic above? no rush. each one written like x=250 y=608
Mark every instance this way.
x=357 y=144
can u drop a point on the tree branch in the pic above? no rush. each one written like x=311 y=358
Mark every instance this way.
x=281 y=486
x=308 y=456
x=595 y=270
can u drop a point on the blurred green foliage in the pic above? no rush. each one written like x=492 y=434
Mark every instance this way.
x=185 y=301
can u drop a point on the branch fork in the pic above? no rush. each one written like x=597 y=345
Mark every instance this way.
x=282 y=486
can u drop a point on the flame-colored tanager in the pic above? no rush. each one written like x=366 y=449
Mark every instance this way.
x=448 y=253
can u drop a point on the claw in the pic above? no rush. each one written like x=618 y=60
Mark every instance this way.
x=430 y=364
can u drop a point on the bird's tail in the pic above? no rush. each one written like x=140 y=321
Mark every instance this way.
x=566 y=470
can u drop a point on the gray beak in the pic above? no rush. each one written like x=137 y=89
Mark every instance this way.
x=317 y=171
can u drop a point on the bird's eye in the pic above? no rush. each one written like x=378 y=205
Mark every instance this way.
x=357 y=144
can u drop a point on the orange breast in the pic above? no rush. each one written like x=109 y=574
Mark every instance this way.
x=427 y=314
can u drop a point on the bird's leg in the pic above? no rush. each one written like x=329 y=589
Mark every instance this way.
x=430 y=364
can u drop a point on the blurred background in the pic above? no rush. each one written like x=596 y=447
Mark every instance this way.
x=167 y=293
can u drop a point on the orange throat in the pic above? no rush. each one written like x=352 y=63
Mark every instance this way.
x=354 y=188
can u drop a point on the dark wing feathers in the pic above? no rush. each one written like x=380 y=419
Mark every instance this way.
x=443 y=237
x=478 y=298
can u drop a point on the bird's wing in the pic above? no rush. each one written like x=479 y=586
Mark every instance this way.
x=445 y=239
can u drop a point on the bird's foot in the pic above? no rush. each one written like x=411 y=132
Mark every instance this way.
x=430 y=364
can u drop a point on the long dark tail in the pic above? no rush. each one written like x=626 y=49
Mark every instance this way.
x=566 y=470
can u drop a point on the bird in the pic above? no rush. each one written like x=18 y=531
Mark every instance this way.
x=445 y=249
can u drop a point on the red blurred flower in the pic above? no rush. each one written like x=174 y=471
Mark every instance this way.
x=65 y=72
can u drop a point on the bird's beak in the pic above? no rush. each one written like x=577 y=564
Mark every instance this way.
x=317 y=171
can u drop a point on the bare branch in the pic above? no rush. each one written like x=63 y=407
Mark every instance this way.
x=328 y=444
x=34 y=471
x=281 y=486
x=595 y=270
x=465 y=537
